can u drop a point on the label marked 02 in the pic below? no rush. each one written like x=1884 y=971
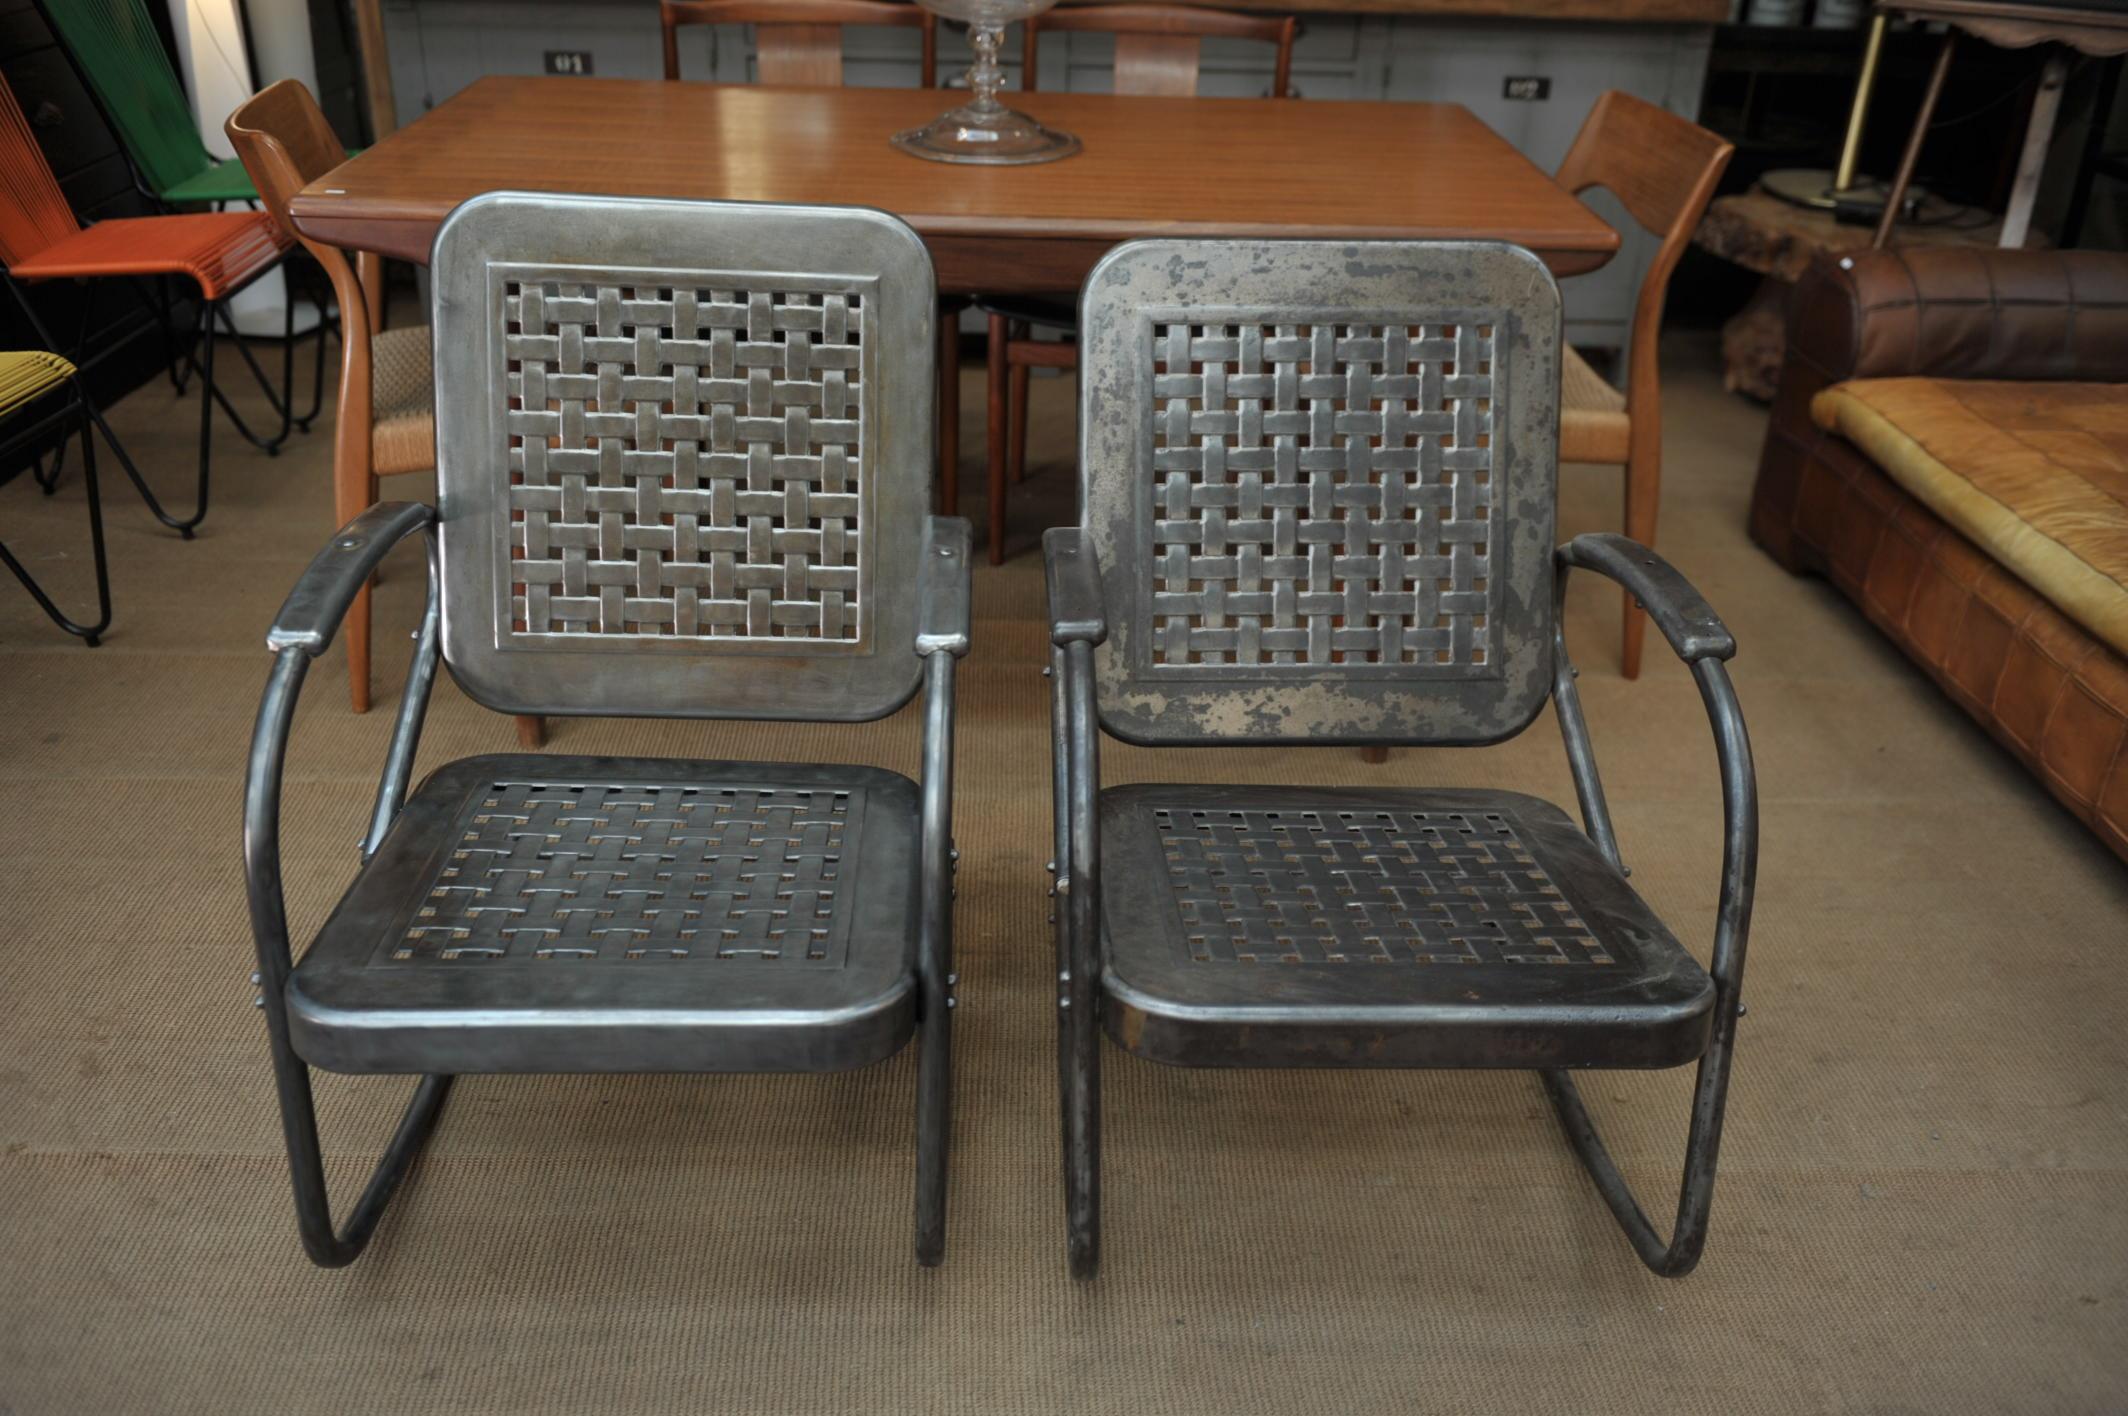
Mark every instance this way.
x=1521 y=88
x=568 y=61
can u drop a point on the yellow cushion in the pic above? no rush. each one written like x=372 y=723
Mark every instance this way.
x=2036 y=474
x=1593 y=426
x=25 y=374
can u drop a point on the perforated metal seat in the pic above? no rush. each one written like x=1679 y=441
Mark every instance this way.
x=584 y=914
x=1297 y=927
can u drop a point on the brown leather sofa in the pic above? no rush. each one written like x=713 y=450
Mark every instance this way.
x=2046 y=683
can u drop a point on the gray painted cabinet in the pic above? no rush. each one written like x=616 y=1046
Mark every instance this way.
x=439 y=47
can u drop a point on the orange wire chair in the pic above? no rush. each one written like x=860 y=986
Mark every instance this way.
x=220 y=252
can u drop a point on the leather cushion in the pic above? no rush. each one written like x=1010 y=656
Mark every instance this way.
x=2036 y=474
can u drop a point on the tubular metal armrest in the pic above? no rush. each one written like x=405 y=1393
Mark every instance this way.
x=1700 y=639
x=1073 y=575
x=300 y=633
x=312 y=613
x=1679 y=611
x=943 y=593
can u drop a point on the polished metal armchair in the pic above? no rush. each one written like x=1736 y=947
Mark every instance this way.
x=1316 y=506
x=683 y=471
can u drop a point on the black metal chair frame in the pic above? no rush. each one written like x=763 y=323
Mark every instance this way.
x=1093 y=690
x=196 y=355
x=77 y=404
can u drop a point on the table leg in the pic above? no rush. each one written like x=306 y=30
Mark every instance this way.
x=1896 y=197
x=2039 y=132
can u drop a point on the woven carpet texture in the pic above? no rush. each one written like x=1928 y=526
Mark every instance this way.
x=1923 y=1201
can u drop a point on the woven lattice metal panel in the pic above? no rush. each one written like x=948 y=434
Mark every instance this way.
x=684 y=461
x=1323 y=495
x=680 y=465
x=1365 y=886
x=1318 y=480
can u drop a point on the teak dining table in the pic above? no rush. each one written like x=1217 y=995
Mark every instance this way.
x=1203 y=167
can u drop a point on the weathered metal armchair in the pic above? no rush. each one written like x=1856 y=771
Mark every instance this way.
x=684 y=464
x=1317 y=507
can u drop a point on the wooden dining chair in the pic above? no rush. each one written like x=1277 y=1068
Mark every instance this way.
x=387 y=407
x=798 y=42
x=1158 y=53
x=1662 y=168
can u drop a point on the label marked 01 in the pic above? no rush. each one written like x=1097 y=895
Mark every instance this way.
x=1521 y=88
x=568 y=61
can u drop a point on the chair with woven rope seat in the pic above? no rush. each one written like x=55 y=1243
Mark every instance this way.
x=1316 y=505
x=29 y=379
x=387 y=417
x=219 y=252
x=119 y=54
x=1662 y=168
x=1157 y=55
x=736 y=376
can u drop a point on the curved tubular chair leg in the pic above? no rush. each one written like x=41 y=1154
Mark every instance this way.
x=1677 y=1256
x=283 y=403
x=182 y=525
x=48 y=482
x=89 y=634
x=1079 y=1051
x=936 y=980
x=269 y=921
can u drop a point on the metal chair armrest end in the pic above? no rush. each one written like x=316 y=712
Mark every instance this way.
x=312 y=613
x=1683 y=615
x=1073 y=574
x=943 y=590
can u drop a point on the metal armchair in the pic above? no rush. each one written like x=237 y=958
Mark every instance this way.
x=1316 y=506
x=664 y=489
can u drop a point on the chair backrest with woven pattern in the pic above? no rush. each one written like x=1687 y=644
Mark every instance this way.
x=117 y=47
x=1319 y=480
x=684 y=455
x=1159 y=47
x=34 y=213
x=799 y=42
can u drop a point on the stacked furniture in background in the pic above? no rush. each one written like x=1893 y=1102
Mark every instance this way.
x=219 y=252
x=1949 y=446
x=117 y=50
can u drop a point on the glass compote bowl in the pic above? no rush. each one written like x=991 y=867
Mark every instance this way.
x=982 y=129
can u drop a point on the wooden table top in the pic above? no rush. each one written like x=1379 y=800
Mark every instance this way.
x=1152 y=166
